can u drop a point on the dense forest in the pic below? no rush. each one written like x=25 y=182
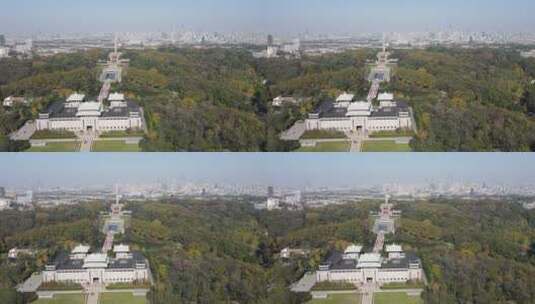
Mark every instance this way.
x=213 y=251
x=50 y=231
x=219 y=99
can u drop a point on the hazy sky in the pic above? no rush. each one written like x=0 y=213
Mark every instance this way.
x=292 y=169
x=351 y=16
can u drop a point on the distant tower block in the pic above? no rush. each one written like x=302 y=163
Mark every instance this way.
x=270 y=40
x=173 y=35
x=270 y=192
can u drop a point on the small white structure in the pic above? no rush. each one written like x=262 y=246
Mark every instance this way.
x=352 y=252
x=345 y=97
x=4 y=52
x=75 y=97
x=122 y=251
x=272 y=203
x=4 y=203
x=76 y=114
x=96 y=260
x=287 y=252
x=15 y=252
x=272 y=51
x=80 y=252
x=11 y=101
x=394 y=251
x=117 y=100
x=386 y=100
x=279 y=101
x=369 y=260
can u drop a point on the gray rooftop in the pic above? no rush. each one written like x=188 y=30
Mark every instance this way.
x=58 y=110
x=335 y=261
x=327 y=109
x=64 y=262
x=409 y=258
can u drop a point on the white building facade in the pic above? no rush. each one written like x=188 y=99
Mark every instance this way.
x=358 y=268
x=76 y=114
x=347 y=115
x=84 y=268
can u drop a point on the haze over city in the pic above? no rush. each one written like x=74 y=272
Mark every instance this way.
x=278 y=16
x=296 y=170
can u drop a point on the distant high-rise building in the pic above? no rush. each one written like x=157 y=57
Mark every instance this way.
x=270 y=191
x=2 y=192
x=270 y=40
x=2 y=40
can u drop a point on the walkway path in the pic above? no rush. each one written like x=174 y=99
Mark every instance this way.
x=108 y=242
x=305 y=284
x=356 y=141
x=379 y=242
x=87 y=141
x=367 y=293
x=92 y=298
x=374 y=90
x=295 y=132
x=31 y=284
x=93 y=291
x=367 y=298
x=104 y=91
x=25 y=132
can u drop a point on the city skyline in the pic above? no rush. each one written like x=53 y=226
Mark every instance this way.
x=278 y=16
x=280 y=170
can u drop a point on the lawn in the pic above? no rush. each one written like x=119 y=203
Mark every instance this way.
x=112 y=134
x=120 y=298
x=49 y=134
x=338 y=299
x=63 y=299
x=322 y=134
x=114 y=146
x=404 y=285
x=71 y=146
x=397 y=133
x=384 y=146
x=395 y=298
x=339 y=146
